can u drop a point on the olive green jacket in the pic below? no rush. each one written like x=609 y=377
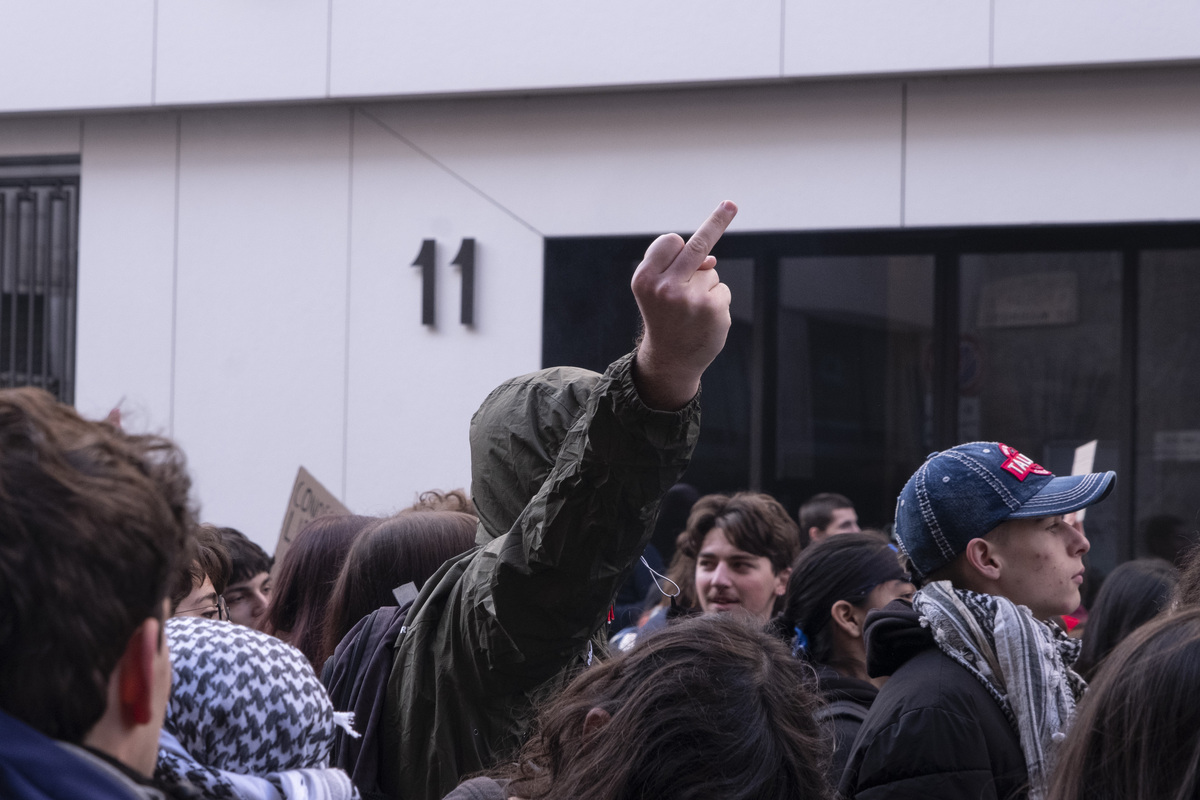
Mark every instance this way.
x=567 y=470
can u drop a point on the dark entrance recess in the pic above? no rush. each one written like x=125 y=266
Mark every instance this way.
x=853 y=354
x=39 y=231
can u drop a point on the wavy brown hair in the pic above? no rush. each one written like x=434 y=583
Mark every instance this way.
x=1137 y=733
x=305 y=579
x=756 y=523
x=408 y=547
x=709 y=707
x=94 y=522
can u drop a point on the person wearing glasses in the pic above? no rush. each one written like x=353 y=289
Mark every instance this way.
x=198 y=587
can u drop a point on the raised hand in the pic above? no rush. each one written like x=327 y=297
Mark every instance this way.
x=685 y=308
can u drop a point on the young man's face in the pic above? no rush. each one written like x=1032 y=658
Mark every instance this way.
x=730 y=579
x=1041 y=564
x=247 y=600
x=843 y=520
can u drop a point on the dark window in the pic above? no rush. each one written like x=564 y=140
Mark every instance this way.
x=856 y=353
x=39 y=226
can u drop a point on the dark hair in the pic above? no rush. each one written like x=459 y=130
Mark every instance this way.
x=1187 y=592
x=708 y=707
x=753 y=522
x=843 y=567
x=1131 y=595
x=817 y=511
x=673 y=512
x=306 y=575
x=1136 y=735
x=93 y=524
x=453 y=500
x=210 y=560
x=1167 y=536
x=409 y=547
x=248 y=559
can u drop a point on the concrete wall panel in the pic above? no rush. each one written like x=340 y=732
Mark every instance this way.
x=1031 y=33
x=412 y=388
x=1045 y=149
x=382 y=47
x=839 y=37
x=795 y=157
x=214 y=51
x=260 y=355
x=60 y=54
x=126 y=269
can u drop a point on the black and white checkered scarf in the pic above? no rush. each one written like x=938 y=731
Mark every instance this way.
x=247 y=717
x=1025 y=665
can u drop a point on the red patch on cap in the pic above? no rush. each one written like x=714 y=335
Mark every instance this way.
x=1020 y=466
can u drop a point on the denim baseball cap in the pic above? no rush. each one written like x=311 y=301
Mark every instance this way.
x=962 y=493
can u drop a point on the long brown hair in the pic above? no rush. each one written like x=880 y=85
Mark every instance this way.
x=408 y=547
x=708 y=707
x=304 y=582
x=1137 y=733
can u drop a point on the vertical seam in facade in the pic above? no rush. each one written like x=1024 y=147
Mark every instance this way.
x=329 y=60
x=782 y=32
x=346 y=365
x=992 y=33
x=903 y=148
x=175 y=268
x=154 y=57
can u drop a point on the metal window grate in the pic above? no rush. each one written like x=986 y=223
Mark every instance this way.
x=39 y=233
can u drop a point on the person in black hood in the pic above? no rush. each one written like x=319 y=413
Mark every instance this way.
x=833 y=585
x=981 y=689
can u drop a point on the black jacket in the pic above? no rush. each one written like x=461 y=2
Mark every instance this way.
x=934 y=731
x=848 y=701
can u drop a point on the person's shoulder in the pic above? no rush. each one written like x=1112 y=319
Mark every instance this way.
x=932 y=725
x=931 y=679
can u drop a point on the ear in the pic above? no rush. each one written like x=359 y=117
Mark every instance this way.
x=984 y=558
x=842 y=615
x=135 y=669
x=596 y=719
x=781 y=581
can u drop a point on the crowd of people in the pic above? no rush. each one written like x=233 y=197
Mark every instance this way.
x=582 y=624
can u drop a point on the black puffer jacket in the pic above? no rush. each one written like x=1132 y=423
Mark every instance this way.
x=934 y=731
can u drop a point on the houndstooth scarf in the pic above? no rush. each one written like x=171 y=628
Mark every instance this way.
x=247 y=717
x=1024 y=664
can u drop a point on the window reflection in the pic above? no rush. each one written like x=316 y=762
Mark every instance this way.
x=1168 y=402
x=1043 y=333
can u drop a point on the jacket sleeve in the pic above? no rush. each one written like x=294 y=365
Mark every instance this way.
x=557 y=571
x=502 y=621
x=927 y=753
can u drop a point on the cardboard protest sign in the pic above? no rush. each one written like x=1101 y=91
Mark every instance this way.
x=308 y=500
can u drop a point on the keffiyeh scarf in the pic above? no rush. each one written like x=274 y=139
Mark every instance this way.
x=247 y=717
x=1023 y=663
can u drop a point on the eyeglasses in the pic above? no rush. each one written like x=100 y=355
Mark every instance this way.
x=216 y=611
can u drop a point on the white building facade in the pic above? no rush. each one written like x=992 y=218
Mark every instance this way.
x=256 y=179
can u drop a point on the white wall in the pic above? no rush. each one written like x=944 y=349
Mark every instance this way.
x=126 y=317
x=1053 y=148
x=245 y=273
x=78 y=55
